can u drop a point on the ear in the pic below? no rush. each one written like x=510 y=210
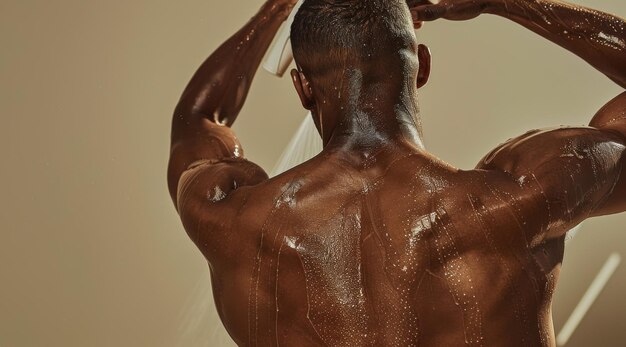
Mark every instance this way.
x=423 y=54
x=303 y=88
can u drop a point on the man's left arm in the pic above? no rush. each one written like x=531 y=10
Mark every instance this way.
x=595 y=36
x=205 y=153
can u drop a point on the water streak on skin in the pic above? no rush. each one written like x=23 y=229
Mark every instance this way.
x=530 y=275
x=486 y=223
x=287 y=196
x=549 y=221
x=329 y=283
x=252 y=304
x=454 y=266
x=276 y=290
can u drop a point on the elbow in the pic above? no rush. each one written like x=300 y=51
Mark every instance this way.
x=189 y=107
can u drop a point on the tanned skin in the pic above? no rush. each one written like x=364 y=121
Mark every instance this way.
x=375 y=242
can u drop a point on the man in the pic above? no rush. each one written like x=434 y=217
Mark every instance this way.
x=375 y=241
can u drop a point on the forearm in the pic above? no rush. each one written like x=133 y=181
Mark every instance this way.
x=219 y=88
x=597 y=37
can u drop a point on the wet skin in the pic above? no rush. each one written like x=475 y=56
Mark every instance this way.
x=375 y=241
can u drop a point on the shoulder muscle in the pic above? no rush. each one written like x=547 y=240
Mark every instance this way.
x=570 y=171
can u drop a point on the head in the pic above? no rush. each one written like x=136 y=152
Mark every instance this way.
x=356 y=54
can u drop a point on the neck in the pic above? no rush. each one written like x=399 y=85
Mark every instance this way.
x=361 y=131
x=371 y=120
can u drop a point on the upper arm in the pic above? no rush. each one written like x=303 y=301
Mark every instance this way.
x=561 y=176
x=205 y=169
x=210 y=195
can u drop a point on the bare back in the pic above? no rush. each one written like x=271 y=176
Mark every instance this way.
x=397 y=250
x=390 y=246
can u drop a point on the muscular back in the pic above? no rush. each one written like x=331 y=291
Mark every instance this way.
x=397 y=249
x=384 y=245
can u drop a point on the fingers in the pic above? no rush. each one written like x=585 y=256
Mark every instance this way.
x=412 y=5
x=417 y=24
x=428 y=12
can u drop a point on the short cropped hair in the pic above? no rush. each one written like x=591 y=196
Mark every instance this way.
x=326 y=34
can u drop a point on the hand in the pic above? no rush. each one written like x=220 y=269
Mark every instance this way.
x=425 y=10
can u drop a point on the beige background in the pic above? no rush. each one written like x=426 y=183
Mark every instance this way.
x=91 y=250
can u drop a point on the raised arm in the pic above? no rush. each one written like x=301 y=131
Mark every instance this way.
x=597 y=37
x=554 y=179
x=201 y=135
